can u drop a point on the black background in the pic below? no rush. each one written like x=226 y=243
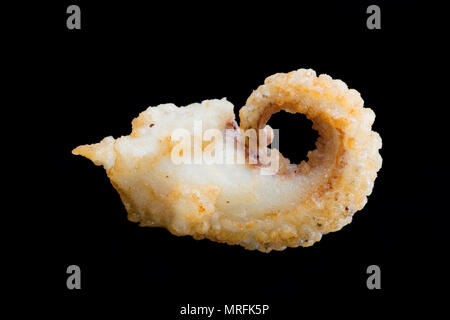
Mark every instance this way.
x=90 y=83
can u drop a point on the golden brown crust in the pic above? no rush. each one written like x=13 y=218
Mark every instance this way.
x=236 y=204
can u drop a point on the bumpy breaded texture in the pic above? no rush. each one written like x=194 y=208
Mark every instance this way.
x=236 y=204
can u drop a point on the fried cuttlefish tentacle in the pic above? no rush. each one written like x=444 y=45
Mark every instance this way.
x=236 y=204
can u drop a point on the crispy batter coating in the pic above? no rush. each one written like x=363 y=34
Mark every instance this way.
x=235 y=204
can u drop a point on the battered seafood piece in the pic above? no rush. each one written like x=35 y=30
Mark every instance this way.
x=236 y=204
